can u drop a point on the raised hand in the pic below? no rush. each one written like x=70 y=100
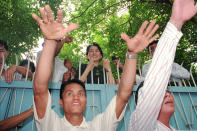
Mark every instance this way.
x=9 y=74
x=52 y=29
x=142 y=39
x=91 y=64
x=182 y=11
x=106 y=64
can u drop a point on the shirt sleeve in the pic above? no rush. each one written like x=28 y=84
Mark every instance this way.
x=151 y=95
x=107 y=121
x=47 y=122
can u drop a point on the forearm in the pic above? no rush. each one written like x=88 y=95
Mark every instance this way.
x=110 y=77
x=151 y=94
x=59 y=47
x=23 y=70
x=12 y=122
x=45 y=65
x=83 y=77
x=127 y=80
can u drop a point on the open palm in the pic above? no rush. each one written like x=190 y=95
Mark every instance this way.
x=142 y=39
x=52 y=29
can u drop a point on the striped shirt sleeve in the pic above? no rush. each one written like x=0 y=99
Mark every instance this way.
x=151 y=95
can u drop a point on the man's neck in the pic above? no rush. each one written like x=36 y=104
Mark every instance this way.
x=165 y=119
x=74 y=119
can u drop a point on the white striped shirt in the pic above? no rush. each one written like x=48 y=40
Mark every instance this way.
x=150 y=96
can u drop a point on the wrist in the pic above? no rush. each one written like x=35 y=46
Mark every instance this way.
x=177 y=23
x=108 y=70
x=131 y=55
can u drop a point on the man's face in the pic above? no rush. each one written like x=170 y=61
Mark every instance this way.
x=94 y=53
x=168 y=103
x=68 y=64
x=73 y=99
x=152 y=49
x=115 y=61
x=3 y=52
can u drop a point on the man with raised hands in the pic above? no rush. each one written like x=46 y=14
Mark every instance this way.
x=155 y=104
x=72 y=93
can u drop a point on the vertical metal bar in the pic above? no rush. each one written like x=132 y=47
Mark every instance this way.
x=3 y=64
x=104 y=76
x=9 y=103
x=80 y=67
x=3 y=96
x=192 y=76
x=118 y=72
x=188 y=123
x=27 y=71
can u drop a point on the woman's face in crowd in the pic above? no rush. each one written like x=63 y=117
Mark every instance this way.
x=94 y=53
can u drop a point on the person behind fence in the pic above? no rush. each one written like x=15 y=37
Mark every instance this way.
x=155 y=104
x=20 y=75
x=73 y=93
x=178 y=72
x=13 y=121
x=58 y=69
x=9 y=73
x=71 y=72
x=93 y=72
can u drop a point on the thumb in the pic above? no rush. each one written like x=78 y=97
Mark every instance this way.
x=70 y=28
x=125 y=37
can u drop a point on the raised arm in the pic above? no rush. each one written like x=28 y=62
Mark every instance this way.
x=134 y=45
x=106 y=65
x=152 y=93
x=53 y=30
x=60 y=43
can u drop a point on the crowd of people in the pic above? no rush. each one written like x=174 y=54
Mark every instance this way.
x=155 y=103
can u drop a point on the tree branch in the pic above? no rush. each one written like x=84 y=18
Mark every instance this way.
x=82 y=12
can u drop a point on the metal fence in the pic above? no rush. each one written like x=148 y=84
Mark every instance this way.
x=18 y=97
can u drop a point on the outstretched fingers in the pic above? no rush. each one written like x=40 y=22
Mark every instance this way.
x=37 y=19
x=156 y=27
x=125 y=37
x=142 y=28
x=149 y=28
x=154 y=38
x=43 y=15
x=70 y=28
x=59 y=16
x=49 y=14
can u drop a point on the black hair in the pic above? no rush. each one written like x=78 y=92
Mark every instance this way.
x=94 y=44
x=154 y=42
x=65 y=83
x=31 y=64
x=4 y=44
x=114 y=58
x=136 y=94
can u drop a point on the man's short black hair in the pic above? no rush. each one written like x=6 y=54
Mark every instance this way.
x=31 y=64
x=114 y=58
x=4 y=44
x=65 y=83
x=136 y=94
x=154 y=42
x=94 y=44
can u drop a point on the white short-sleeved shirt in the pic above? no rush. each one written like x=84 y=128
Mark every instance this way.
x=58 y=68
x=105 y=121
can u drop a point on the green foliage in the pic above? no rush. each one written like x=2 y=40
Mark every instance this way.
x=98 y=22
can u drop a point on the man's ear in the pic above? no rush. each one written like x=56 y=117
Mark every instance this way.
x=61 y=103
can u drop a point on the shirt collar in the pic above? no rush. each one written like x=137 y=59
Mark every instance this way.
x=84 y=124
